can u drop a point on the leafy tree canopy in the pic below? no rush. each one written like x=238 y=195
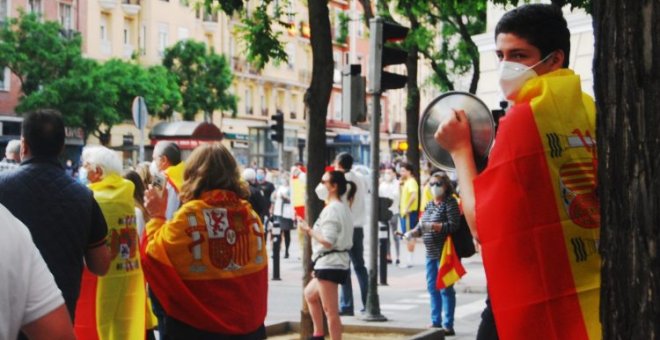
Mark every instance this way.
x=203 y=77
x=37 y=52
x=262 y=41
x=584 y=4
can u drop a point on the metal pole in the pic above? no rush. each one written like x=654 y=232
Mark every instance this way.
x=142 y=125
x=280 y=155
x=373 y=305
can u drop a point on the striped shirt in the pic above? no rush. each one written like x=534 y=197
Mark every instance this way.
x=446 y=212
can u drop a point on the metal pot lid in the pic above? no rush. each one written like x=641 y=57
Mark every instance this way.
x=482 y=126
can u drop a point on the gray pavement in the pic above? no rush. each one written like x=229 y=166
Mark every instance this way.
x=404 y=301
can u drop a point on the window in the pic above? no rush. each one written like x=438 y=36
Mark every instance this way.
x=34 y=6
x=143 y=41
x=127 y=32
x=5 y=78
x=248 y=101
x=337 y=106
x=291 y=55
x=66 y=19
x=162 y=38
x=183 y=33
x=4 y=11
x=104 y=30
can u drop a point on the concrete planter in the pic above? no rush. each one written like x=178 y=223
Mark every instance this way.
x=283 y=328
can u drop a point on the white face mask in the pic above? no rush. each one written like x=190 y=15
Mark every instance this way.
x=437 y=191
x=322 y=192
x=388 y=177
x=82 y=176
x=514 y=75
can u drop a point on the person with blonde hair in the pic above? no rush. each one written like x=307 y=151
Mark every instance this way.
x=113 y=307
x=208 y=264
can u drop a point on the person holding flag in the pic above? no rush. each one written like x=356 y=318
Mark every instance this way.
x=534 y=208
x=440 y=219
x=208 y=265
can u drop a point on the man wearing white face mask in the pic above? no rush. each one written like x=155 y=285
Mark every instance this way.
x=534 y=207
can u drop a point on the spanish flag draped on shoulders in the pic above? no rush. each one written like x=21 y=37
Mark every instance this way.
x=113 y=306
x=208 y=265
x=538 y=214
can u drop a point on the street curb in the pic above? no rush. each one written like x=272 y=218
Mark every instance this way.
x=413 y=333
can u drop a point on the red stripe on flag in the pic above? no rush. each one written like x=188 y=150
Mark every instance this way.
x=230 y=306
x=85 y=323
x=529 y=275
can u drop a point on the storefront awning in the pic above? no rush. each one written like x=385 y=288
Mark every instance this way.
x=185 y=130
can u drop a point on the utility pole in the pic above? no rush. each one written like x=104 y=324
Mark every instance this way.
x=379 y=81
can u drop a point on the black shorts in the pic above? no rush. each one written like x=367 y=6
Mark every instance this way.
x=338 y=276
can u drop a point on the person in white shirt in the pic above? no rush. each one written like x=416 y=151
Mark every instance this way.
x=332 y=238
x=389 y=187
x=344 y=163
x=29 y=298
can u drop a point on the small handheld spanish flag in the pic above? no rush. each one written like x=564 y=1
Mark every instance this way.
x=450 y=269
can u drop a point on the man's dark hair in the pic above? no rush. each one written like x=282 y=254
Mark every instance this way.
x=345 y=160
x=408 y=166
x=43 y=132
x=543 y=26
x=168 y=149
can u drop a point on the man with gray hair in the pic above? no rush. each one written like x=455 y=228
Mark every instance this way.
x=167 y=159
x=12 y=155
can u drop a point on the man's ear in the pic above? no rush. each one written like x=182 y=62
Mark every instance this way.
x=25 y=149
x=557 y=59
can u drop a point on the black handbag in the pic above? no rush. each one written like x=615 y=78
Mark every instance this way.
x=463 y=242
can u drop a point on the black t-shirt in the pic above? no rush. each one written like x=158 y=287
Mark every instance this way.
x=62 y=215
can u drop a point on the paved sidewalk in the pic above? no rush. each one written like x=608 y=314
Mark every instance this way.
x=404 y=301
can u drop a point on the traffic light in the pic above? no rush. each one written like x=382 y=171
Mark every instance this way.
x=353 y=104
x=277 y=128
x=381 y=56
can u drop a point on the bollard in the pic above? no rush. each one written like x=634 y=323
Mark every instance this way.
x=383 y=236
x=276 y=235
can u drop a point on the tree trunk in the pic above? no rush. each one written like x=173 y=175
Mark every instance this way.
x=412 y=105
x=317 y=98
x=627 y=87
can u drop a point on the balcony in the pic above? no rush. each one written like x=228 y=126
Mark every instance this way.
x=108 y=5
x=131 y=7
x=210 y=22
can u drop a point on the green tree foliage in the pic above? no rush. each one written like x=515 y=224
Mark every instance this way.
x=584 y=4
x=97 y=96
x=37 y=52
x=83 y=97
x=443 y=35
x=203 y=76
x=262 y=42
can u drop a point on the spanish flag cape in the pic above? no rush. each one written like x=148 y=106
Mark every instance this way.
x=208 y=265
x=175 y=175
x=113 y=306
x=538 y=215
x=298 y=187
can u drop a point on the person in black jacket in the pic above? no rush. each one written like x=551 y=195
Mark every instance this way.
x=65 y=221
x=256 y=197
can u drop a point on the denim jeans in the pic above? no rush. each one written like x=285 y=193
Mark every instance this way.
x=357 y=258
x=441 y=300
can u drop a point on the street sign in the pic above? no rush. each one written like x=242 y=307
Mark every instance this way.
x=139 y=109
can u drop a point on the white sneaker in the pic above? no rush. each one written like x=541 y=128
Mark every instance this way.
x=405 y=266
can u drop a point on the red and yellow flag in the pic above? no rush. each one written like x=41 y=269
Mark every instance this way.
x=538 y=214
x=208 y=265
x=175 y=175
x=450 y=269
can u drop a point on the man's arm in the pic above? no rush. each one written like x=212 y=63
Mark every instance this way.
x=55 y=325
x=98 y=259
x=453 y=135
